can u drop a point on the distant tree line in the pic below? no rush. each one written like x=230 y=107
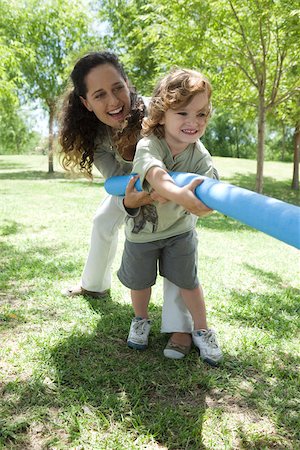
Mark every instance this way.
x=249 y=50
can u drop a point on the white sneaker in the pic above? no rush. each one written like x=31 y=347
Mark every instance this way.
x=208 y=346
x=139 y=333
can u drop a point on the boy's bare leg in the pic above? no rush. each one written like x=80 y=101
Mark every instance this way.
x=194 y=300
x=140 y=301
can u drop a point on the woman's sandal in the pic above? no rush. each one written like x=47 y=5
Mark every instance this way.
x=79 y=290
x=176 y=351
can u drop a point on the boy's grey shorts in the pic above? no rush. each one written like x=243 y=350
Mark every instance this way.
x=177 y=262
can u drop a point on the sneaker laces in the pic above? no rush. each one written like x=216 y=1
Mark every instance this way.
x=210 y=337
x=139 y=326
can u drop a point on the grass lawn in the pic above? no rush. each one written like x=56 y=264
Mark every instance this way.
x=67 y=379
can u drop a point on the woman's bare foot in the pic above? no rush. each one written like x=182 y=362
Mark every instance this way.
x=178 y=346
x=79 y=290
x=184 y=339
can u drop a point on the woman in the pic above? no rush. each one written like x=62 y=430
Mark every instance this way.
x=100 y=125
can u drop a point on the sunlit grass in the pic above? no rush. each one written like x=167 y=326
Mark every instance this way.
x=67 y=379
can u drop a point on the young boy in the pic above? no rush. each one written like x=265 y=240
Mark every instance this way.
x=164 y=232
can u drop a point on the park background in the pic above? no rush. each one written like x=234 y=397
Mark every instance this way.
x=67 y=380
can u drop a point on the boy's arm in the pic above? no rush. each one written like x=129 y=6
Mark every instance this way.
x=163 y=184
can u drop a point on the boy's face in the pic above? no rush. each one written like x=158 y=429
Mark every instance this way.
x=185 y=125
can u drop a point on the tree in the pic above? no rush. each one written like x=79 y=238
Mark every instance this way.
x=292 y=116
x=247 y=47
x=12 y=127
x=15 y=135
x=226 y=135
x=295 y=181
x=258 y=43
x=50 y=33
x=151 y=37
x=128 y=23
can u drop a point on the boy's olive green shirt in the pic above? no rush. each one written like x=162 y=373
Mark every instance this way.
x=160 y=221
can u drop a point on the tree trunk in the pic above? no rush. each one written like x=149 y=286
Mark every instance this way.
x=237 y=142
x=260 y=144
x=283 y=142
x=295 y=182
x=51 y=138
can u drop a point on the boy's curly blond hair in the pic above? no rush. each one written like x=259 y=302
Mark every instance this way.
x=173 y=91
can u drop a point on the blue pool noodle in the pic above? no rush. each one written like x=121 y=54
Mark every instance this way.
x=271 y=216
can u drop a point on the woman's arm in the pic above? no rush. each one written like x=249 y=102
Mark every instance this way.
x=107 y=164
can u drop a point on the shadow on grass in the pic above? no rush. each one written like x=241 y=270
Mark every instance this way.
x=139 y=392
x=96 y=183
x=32 y=175
x=5 y=165
x=11 y=227
x=22 y=272
x=260 y=391
x=274 y=311
x=44 y=175
x=147 y=395
x=222 y=223
x=61 y=177
x=280 y=190
x=271 y=278
x=145 y=390
x=98 y=377
x=277 y=189
x=19 y=267
x=126 y=387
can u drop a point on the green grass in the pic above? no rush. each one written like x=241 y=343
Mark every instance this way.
x=67 y=379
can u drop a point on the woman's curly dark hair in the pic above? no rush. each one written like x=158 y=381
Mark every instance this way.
x=79 y=127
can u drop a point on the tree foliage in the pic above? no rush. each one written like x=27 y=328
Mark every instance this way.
x=248 y=48
x=48 y=34
x=13 y=131
x=228 y=136
x=259 y=52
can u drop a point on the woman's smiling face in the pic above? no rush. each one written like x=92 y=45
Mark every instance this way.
x=108 y=95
